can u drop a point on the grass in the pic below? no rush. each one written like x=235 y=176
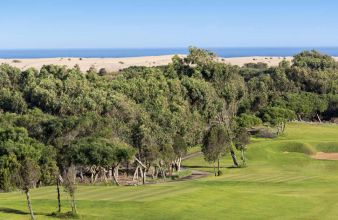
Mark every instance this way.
x=280 y=182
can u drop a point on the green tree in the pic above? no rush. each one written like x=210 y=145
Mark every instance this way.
x=214 y=145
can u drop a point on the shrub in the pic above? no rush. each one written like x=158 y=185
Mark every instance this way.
x=246 y=120
x=103 y=72
x=266 y=133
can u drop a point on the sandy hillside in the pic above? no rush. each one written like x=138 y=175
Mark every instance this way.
x=115 y=64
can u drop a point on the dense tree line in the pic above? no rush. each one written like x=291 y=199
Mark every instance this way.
x=61 y=126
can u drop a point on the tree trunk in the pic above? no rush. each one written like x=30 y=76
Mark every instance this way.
x=179 y=163
x=110 y=173
x=144 y=176
x=74 y=210
x=299 y=117
x=92 y=177
x=218 y=167
x=156 y=172
x=320 y=121
x=115 y=175
x=214 y=169
x=135 y=174
x=284 y=125
x=163 y=174
x=95 y=178
x=29 y=204
x=58 y=193
x=141 y=171
x=233 y=156
x=243 y=157
x=104 y=171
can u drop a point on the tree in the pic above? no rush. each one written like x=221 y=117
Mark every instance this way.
x=70 y=186
x=277 y=117
x=214 y=145
x=22 y=155
x=241 y=141
x=180 y=149
x=313 y=60
x=28 y=176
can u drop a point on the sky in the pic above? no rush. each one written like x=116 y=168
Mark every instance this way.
x=38 y=24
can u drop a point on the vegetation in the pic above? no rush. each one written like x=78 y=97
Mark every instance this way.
x=62 y=127
x=275 y=185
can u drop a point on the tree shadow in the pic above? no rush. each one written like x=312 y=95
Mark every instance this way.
x=20 y=212
x=197 y=166
x=13 y=211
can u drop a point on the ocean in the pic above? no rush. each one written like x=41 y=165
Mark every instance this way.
x=118 y=53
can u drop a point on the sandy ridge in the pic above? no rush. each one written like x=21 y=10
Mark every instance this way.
x=115 y=64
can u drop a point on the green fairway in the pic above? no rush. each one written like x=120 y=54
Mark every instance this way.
x=280 y=182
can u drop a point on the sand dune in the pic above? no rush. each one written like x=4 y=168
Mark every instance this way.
x=115 y=64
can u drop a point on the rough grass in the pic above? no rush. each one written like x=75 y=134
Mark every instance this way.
x=275 y=185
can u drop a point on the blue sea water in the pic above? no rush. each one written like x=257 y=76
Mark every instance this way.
x=117 y=53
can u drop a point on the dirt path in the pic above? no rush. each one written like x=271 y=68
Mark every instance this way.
x=325 y=156
x=196 y=174
x=191 y=155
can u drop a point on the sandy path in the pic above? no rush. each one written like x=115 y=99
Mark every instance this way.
x=325 y=156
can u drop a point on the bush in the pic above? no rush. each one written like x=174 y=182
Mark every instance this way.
x=246 y=120
x=103 y=72
x=265 y=133
x=67 y=215
x=297 y=147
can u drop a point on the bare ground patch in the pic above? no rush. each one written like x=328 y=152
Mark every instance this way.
x=325 y=156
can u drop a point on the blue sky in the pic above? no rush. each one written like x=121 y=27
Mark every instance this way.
x=170 y=23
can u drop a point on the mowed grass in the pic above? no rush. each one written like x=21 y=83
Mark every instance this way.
x=280 y=182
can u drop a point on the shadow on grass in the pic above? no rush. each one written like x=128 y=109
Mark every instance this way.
x=13 y=211
x=209 y=167
x=67 y=215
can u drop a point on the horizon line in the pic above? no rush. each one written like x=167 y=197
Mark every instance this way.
x=154 y=48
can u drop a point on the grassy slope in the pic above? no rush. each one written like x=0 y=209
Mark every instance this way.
x=276 y=185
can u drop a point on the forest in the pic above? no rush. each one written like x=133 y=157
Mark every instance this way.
x=64 y=127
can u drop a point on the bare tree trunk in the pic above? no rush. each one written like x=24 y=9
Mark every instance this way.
x=92 y=177
x=110 y=173
x=284 y=125
x=218 y=167
x=233 y=156
x=136 y=173
x=58 y=193
x=243 y=157
x=179 y=163
x=144 y=176
x=104 y=171
x=96 y=176
x=214 y=169
x=320 y=121
x=74 y=209
x=171 y=169
x=163 y=174
x=156 y=172
x=115 y=175
x=141 y=171
x=81 y=173
x=29 y=204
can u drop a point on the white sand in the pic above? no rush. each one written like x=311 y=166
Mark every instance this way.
x=115 y=64
x=325 y=156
